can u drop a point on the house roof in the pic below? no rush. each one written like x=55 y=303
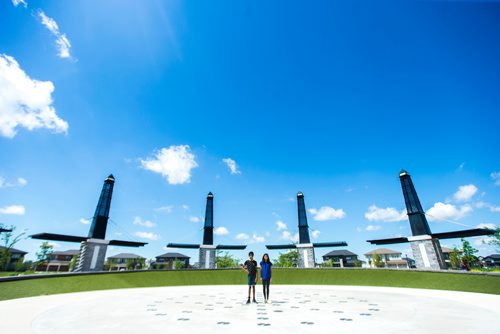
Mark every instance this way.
x=125 y=256
x=67 y=252
x=493 y=256
x=173 y=256
x=382 y=251
x=340 y=252
x=14 y=250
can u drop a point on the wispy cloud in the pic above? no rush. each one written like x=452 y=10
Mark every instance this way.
x=145 y=223
x=174 y=163
x=373 y=227
x=221 y=230
x=375 y=213
x=147 y=235
x=21 y=182
x=25 y=102
x=20 y=2
x=85 y=221
x=231 y=164
x=496 y=177
x=327 y=213
x=465 y=193
x=242 y=236
x=194 y=219
x=286 y=235
x=165 y=209
x=280 y=225
x=18 y=210
x=62 y=42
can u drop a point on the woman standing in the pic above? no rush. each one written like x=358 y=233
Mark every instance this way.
x=265 y=275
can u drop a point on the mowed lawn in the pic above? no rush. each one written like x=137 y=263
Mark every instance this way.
x=391 y=278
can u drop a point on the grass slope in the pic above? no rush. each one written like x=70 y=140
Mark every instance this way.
x=391 y=278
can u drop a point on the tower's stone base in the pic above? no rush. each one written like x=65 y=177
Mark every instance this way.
x=306 y=255
x=207 y=257
x=427 y=252
x=92 y=255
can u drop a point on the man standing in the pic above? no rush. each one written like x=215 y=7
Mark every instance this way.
x=250 y=266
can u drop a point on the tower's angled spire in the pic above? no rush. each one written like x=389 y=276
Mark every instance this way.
x=303 y=226
x=416 y=215
x=208 y=232
x=101 y=215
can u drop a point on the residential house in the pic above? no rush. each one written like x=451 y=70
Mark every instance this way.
x=59 y=261
x=123 y=261
x=492 y=261
x=446 y=255
x=390 y=258
x=15 y=256
x=168 y=261
x=341 y=258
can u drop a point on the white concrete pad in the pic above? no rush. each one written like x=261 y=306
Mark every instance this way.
x=222 y=309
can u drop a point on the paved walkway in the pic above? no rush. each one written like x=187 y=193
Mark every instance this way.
x=222 y=309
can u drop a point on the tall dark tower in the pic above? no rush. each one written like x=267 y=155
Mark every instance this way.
x=93 y=247
x=416 y=215
x=305 y=248
x=424 y=244
x=101 y=215
x=303 y=226
x=208 y=230
x=207 y=249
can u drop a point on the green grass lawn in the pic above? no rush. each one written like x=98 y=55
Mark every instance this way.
x=391 y=278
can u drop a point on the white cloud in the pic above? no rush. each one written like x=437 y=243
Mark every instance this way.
x=221 y=230
x=185 y=207
x=442 y=211
x=315 y=234
x=21 y=182
x=359 y=229
x=166 y=209
x=25 y=102
x=481 y=204
x=496 y=177
x=257 y=239
x=375 y=213
x=242 y=236
x=146 y=223
x=13 y=210
x=18 y=2
x=62 y=42
x=285 y=235
x=194 y=219
x=54 y=244
x=327 y=213
x=231 y=164
x=84 y=221
x=147 y=235
x=281 y=225
x=174 y=163
x=488 y=226
x=373 y=227
x=465 y=193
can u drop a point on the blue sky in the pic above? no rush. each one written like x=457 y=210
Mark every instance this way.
x=330 y=99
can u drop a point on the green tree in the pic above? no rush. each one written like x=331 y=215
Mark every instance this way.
x=468 y=253
x=377 y=261
x=226 y=260
x=43 y=255
x=8 y=242
x=357 y=263
x=130 y=264
x=327 y=264
x=455 y=258
x=494 y=240
x=288 y=259
x=73 y=262
x=179 y=264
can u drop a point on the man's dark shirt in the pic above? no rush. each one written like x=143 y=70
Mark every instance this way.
x=251 y=267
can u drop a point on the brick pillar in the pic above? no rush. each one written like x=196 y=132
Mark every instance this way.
x=92 y=255
x=427 y=252
x=207 y=257
x=306 y=255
